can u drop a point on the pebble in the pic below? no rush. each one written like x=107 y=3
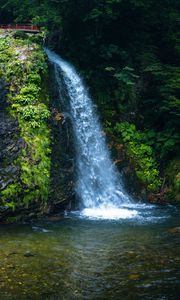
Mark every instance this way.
x=28 y=254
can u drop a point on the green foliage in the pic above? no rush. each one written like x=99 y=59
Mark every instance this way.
x=172 y=174
x=128 y=132
x=28 y=95
x=164 y=143
x=125 y=93
x=141 y=155
x=34 y=114
x=9 y=194
x=34 y=78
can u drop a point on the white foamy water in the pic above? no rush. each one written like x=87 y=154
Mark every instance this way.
x=98 y=183
x=108 y=213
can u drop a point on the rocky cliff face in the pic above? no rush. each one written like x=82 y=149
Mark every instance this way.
x=62 y=195
x=36 y=147
x=10 y=146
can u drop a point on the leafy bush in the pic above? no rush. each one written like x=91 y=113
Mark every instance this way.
x=34 y=78
x=163 y=142
x=125 y=93
x=172 y=174
x=34 y=114
x=141 y=155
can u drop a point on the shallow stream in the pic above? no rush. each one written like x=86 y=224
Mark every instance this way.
x=76 y=257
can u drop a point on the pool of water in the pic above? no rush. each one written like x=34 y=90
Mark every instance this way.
x=81 y=256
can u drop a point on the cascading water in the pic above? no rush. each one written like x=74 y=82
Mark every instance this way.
x=98 y=184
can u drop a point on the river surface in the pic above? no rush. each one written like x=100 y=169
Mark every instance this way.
x=75 y=257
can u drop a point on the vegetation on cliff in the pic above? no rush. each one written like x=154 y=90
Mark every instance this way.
x=141 y=155
x=24 y=70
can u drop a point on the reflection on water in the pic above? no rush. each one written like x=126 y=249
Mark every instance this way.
x=80 y=258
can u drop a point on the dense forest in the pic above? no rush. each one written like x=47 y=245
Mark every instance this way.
x=128 y=53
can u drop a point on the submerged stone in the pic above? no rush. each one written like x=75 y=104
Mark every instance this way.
x=29 y=254
x=174 y=230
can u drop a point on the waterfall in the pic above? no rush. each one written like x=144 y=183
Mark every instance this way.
x=99 y=185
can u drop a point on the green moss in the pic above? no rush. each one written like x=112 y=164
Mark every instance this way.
x=24 y=68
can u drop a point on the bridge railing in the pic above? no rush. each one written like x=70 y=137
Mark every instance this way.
x=21 y=27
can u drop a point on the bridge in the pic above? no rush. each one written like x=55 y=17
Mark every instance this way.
x=25 y=28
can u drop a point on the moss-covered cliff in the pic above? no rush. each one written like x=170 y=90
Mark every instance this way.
x=25 y=133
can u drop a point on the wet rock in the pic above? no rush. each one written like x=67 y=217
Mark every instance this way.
x=55 y=218
x=32 y=215
x=131 y=253
x=10 y=147
x=175 y=230
x=13 y=253
x=134 y=277
x=4 y=211
x=29 y=254
x=9 y=169
x=62 y=193
x=4 y=183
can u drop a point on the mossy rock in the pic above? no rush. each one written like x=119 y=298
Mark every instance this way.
x=23 y=68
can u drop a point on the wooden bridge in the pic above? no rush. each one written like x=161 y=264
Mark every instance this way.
x=25 y=28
